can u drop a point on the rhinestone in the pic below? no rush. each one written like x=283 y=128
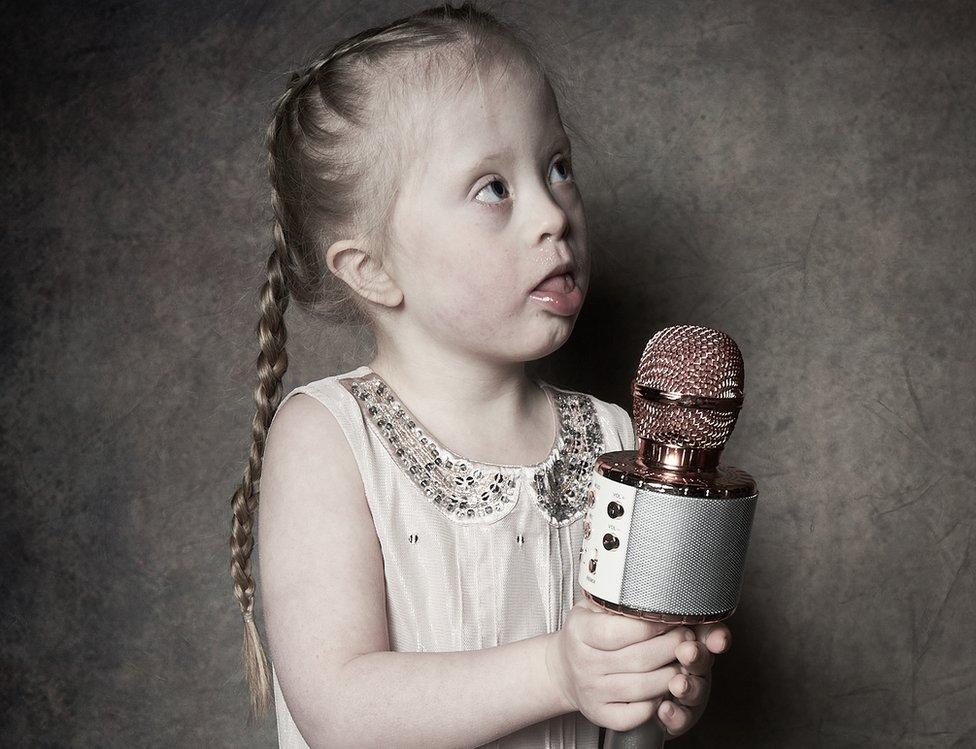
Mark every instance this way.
x=469 y=492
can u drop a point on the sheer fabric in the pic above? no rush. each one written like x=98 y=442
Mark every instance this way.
x=475 y=554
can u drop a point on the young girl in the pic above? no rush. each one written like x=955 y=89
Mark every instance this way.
x=420 y=514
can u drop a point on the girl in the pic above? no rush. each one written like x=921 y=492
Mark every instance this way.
x=420 y=514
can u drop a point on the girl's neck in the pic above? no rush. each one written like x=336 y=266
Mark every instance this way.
x=488 y=412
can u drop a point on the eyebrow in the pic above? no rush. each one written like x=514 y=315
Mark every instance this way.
x=488 y=157
x=561 y=140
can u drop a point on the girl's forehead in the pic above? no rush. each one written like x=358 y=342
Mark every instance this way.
x=488 y=114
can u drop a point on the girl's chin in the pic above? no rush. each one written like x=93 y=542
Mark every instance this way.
x=557 y=335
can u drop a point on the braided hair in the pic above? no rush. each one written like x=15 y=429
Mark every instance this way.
x=321 y=135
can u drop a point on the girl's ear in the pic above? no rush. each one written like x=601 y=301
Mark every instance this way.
x=363 y=273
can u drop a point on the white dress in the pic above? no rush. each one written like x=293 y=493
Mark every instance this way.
x=475 y=554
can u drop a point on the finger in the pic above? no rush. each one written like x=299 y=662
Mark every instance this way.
x=616 y=715
x=676 y=719
x=695 y=657
x=638 y=687
x=649 y=654
x=716 y=636
x=689 y=689
x=605 y=631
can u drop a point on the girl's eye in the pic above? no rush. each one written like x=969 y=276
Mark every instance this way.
x=493 y=188
x=565 y=168
x=497 y=189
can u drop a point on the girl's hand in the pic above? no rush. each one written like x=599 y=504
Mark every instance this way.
x=690 y=688
x=615 y=669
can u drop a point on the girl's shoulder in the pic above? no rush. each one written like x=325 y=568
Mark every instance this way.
x=327 y=388
x=610 y=414
x=330 y=392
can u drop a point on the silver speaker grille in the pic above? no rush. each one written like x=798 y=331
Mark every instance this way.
x=685 y=554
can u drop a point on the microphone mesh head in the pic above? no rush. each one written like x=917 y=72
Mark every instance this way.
x=690 y=360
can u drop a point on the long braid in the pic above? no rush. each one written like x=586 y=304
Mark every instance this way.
x=272 y=363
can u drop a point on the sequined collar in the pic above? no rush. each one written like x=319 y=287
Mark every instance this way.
x=472 y=492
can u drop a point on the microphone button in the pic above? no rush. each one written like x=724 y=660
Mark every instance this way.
x=592 y=565
x=615 y=510
x=610 y=542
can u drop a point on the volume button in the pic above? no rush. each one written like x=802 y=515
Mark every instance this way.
x=615 y=510
x=610 y=542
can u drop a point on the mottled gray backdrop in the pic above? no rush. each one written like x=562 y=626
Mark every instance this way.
x=799 y=174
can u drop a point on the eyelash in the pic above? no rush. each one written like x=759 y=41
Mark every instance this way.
x=495 y=178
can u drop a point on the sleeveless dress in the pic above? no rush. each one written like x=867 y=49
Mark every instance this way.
x=475 y=554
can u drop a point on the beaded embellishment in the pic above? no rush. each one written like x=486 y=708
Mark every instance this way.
x=472 y=492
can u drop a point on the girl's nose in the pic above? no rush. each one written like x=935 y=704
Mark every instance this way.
x=551 y=219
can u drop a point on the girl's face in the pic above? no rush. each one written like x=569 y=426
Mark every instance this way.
x=488 y=208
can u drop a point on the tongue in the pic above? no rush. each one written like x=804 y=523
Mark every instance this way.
x=556 y=283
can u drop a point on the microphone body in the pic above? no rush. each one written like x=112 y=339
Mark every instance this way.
x=667 y=526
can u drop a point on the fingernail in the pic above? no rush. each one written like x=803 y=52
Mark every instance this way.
x=668 y=709
x=682 y=686
x=689 y=635
x=723 y=642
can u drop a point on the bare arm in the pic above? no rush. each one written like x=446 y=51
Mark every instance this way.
x=460 y=699
x=323 y=587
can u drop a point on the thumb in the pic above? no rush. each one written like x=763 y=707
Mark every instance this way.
x=586 y=602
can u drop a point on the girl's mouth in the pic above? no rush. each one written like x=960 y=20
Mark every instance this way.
x=559 y=294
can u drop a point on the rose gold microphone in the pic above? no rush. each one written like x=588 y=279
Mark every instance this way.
x=667 y=527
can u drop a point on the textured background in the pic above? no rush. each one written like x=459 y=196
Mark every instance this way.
x=800 y=175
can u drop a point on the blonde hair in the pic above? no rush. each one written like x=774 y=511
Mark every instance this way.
x=323 y=133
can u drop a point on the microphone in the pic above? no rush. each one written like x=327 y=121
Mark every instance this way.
x=667 y=526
